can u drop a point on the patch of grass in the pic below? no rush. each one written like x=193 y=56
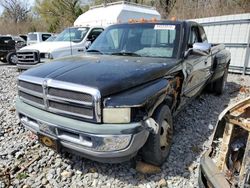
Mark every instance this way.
x=22 y=175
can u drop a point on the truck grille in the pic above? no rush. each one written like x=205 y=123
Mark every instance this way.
x=32 y=98
x=73 y=100
x=28 y=57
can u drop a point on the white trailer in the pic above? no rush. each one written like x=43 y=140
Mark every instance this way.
x=118 y=12
x=234 y=32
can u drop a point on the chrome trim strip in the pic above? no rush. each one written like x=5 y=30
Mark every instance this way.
x=31 y=79
x=30 y=92
x=45 y=93
x=32 y=103
x=32 y=125
x=72 y=87
x=66 y=101
x=68 y=113
x=75 y=140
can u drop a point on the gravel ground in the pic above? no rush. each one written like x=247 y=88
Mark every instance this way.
x=193 y=127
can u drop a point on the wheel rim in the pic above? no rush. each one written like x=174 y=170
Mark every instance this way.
x=165 y=134
x=14 y=59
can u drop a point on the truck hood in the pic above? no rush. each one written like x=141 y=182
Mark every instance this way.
x=47 y=47
x=109 y=74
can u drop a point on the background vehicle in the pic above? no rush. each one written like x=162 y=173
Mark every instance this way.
x=120 y=97
x=87 y=27
x=8 y=46
x=24 y=37
x=226 y=163
x=20 y=42
x=37 y=37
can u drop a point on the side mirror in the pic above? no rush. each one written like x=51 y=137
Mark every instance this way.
x=202 y=46
x=87 y=44
x=199 y=48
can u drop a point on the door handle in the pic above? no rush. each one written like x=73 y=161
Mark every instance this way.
x=80 y=50
x=205 y=62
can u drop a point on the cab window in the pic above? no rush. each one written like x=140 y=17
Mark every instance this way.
x=45 y=36
x=202 y=34
x=194 y=36
x=94 y=34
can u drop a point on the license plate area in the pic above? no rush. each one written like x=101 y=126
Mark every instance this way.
x=49 y=141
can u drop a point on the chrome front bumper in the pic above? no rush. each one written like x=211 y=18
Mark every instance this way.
x=100 y=147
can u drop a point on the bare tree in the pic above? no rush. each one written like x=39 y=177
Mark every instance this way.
x=186 y=9
x=165 y=7
x=15 y=10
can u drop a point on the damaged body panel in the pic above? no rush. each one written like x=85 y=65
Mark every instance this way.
x=227 y=163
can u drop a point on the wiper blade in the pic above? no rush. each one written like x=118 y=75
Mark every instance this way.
x=95 y=51
x=126 y=54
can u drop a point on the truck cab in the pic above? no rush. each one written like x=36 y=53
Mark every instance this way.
x=36 y=37
x=71 y=41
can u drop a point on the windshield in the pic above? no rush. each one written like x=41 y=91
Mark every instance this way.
x=75 y=34
x=147 y=40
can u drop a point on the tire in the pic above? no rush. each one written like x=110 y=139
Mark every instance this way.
x=219 y=85
x=156 y=149
x=12 y=58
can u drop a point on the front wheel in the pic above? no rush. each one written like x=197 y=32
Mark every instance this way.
x=12 y=58
x=156 y=149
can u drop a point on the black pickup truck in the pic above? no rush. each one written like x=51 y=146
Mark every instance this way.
x=118 y=99
x=8 y=47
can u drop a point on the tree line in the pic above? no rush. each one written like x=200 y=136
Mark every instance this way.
x=48 y=15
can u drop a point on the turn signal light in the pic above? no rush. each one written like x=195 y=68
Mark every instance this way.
x=142 y=20
x=173 y=18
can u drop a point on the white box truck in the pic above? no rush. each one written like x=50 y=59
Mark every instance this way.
x=75 y=40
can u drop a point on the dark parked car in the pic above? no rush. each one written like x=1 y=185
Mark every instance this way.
x=119 y=98
x=8 y=47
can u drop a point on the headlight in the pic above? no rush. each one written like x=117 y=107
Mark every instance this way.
x=116 y=115
x=48 y=56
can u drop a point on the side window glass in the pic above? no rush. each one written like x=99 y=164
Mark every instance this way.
x=45 y=37
x=5 y=39
x=111 y=41
x=194 y=37
x=94 y=34
x=202 y=34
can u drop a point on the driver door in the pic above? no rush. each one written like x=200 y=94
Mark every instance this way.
x=197 y=66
